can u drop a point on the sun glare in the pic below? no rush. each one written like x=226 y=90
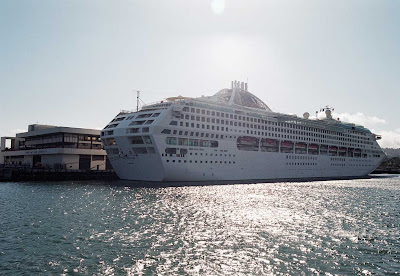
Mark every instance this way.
x=217 y=6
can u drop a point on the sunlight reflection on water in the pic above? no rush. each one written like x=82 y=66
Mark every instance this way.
x=344 y=227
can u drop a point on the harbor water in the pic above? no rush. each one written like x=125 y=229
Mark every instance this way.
x=95 y=228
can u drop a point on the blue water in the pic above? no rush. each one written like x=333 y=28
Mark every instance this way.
x=303 y=228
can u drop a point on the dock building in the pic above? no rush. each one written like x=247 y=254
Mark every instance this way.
x=54 y=147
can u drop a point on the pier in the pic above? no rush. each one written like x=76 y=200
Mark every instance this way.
x=27 y=174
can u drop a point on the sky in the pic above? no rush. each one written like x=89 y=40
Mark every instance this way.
x=78 y=62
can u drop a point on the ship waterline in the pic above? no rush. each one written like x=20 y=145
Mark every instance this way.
x=233 y=135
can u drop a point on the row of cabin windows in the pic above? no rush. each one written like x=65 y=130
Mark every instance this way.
x=135 y=140
x=147 y=115
x=202 y=126
x=142 y=150
x=257 y=120
x=134 y=150
x=201 y=161
x=191 y=142
x=137 y=130
x=142 y=122
x=301 y=164
x=197 y=134
x=279 y=135
x=301 y=157
x=169 y=151
x=192 y=133
x=140 y=140
x=312 y=132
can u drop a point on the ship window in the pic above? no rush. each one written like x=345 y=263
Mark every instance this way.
x=148 y=122
x=139 y=150
x=173 y=123
x=136 y=140
x=137 y=123
x=170 y=150
x=170 y=140
x=193 y=142
x=166 y=131
x=204 y=143
x=144 y=115
x=147 y=139
x=151 y=150
x=182 y=141
x=132 y=130
x=214 y=144
x=145 y=129
x=111 y=126
x=155 y=115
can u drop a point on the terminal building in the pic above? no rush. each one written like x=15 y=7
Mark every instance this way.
x=54 y=147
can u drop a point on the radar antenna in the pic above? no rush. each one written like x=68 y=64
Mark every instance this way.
x=138 y=99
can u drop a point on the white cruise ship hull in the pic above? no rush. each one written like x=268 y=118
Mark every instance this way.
x=233 y=136
x=252 y=167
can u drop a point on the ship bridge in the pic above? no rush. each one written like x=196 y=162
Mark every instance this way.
x=237 y=95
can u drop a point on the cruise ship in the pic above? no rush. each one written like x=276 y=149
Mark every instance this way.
x=234 y=136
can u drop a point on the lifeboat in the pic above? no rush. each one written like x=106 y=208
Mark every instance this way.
x=301 y=145
x=287 y=144
x=333 y=148
x=269 y=142
x=313 y=147
x=247 y=140
x=357 y=151
x=342 y=149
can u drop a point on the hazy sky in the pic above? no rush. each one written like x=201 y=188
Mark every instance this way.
x=76 y=62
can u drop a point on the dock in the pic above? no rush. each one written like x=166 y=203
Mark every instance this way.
x=25 y=174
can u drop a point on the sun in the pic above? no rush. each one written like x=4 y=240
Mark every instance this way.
x=218 y=6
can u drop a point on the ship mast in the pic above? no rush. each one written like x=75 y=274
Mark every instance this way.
x=137 y=100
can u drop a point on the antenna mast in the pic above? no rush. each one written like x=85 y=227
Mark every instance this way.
x=137 y=100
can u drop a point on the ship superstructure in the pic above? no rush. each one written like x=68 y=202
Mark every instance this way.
x=233 y=135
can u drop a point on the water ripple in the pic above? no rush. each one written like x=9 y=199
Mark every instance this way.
x=330 y=227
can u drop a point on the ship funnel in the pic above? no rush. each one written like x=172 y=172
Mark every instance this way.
x=245 y=86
